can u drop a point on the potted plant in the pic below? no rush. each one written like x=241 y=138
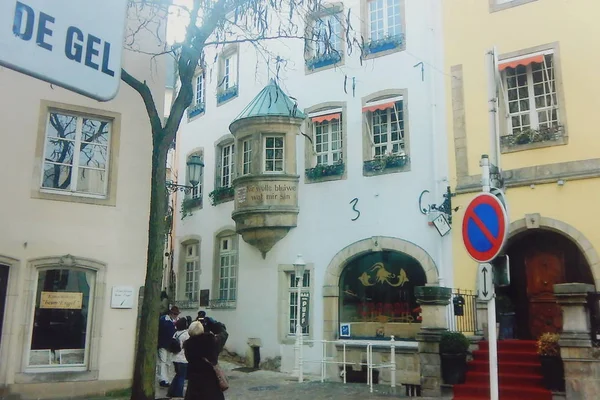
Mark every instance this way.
x=453 y=352
x=553 y=374
x=505 y=313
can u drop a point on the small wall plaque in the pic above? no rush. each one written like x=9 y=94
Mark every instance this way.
x=122 y=297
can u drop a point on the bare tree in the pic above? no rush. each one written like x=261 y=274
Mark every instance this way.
x=210 y=23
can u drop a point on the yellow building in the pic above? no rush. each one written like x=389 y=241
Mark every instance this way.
x=545 y=73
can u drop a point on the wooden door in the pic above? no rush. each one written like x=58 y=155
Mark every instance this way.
x=544 y=270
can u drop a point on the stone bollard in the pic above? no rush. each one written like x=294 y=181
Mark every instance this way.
x=434 y=301
x=581 y=361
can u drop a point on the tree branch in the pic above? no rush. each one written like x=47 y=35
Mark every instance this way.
x=146 y=94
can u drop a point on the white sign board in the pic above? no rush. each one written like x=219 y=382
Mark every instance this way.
x=122 y=297
x=485 y=282
x=441 y=224
x=74 y=44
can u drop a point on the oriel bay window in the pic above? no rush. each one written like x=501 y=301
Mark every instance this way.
x=530 y=99
x=61 y=332
x=377 y=295
x=76 y=154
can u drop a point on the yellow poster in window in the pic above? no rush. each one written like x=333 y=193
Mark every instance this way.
x=62 y=300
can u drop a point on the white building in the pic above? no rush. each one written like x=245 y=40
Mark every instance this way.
x=376 y=129
x=76 y=182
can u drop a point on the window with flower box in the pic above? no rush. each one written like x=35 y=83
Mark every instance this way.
x=199 y=102
x=227 y=88
x=384 y=27
x=326 y=48
x=530 y=101
x=386 y=130
x=225 y=171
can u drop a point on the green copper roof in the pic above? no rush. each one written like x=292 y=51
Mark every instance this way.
x=271 y=102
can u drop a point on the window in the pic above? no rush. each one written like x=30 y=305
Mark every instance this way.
x=328 y=34
x=228 y=259
x=199 y=89
x=328 y=140
x=246 y=156
x=62 y=319
x=386 y=124
x=192 y=272
x=228 y=75
x=293 y=300
x=530 y=93
x=227 y=165
x=379 y=287
x=384 y=19
x=196 y=191
x=76 y=154
x=274 y=153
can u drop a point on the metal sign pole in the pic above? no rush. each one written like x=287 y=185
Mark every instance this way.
x=493 y=348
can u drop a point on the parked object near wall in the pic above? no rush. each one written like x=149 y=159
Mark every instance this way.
x=453 y=351
x=552 y=365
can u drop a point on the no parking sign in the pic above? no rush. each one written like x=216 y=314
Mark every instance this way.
x=485 y=227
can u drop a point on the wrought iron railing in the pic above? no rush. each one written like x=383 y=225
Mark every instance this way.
x=187 y=304
x=219 y=303
x=465 y=301
x=527 y=136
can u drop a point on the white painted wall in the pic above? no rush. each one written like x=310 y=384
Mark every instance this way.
x=34 y=228
x=388 y=203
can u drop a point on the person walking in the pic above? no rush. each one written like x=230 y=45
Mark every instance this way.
x=201 y=351
x=166 y=330
x=179 y=361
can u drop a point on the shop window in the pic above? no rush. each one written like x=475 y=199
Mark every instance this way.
x=62 y=318
x=377 y=295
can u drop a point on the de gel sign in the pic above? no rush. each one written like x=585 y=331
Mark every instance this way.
x=73 y=44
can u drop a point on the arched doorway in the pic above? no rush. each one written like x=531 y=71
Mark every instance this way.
x=539 y=259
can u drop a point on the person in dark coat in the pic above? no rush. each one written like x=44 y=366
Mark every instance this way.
x=201 y=352
x=166 y=330
x=218 y=328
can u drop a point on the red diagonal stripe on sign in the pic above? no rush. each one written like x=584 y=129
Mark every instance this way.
x=486 y=232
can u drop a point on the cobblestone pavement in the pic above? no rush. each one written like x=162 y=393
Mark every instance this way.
x=268 y=385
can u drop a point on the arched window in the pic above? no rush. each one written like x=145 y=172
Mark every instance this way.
x=377 y=295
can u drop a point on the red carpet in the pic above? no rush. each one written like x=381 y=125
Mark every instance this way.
x=519 y=373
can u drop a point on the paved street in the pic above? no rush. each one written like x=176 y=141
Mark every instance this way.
x=268 y=385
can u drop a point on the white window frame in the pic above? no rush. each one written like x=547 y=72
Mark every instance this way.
x=72 y=191
x=548 y=77
x=199 y=89
x=246 y=157
x=327 y=41
x=226 y=289
x=227 y=157
x=292 y=301
x=330 y=154
x=274 y=160
x=196 y=191
x=383 y=27
x=397 y=110
x=228 y=71
x=89 y=333
x=191 y=288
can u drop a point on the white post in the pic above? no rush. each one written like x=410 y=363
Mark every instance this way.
x=485 y=173
x=393 y=357
x=344 y=358
x=299 y=330
x=493 y=106
x=324 y=356
x=493 y=349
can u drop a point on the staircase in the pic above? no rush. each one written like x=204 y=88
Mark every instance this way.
x=519 y=373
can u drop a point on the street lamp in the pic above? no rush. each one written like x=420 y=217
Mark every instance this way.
x=194 y=172
x=299 y=268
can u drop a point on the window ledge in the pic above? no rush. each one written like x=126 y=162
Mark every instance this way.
x=222 y=304
x=221 y=195
x=494 y=7
x=55 y=376
x=323 y=62
x=325 y=173
x=48 y=194
x=389 y=165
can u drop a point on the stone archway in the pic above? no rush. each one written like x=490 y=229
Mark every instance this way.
x=536 y=221
x=339 y=261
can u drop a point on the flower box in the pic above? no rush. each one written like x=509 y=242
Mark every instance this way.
x=220 y=195
x=227 y=94
x=323 y=60
x=383 y=163
x=197 y=109
x=387 y=43
x=321 y=171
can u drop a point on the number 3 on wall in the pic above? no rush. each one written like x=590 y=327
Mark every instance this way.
x=354 y=202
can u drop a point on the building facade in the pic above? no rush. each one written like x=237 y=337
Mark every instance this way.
x=76 y=174
x=540 y=117
x=312 y=150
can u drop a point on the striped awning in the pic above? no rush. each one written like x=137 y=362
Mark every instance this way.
x=539 y=58
x=326 y=117
x=382 y=106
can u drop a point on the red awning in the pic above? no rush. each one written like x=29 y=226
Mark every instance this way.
x=523 y=61
x=327 y=117
x=383 y=106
